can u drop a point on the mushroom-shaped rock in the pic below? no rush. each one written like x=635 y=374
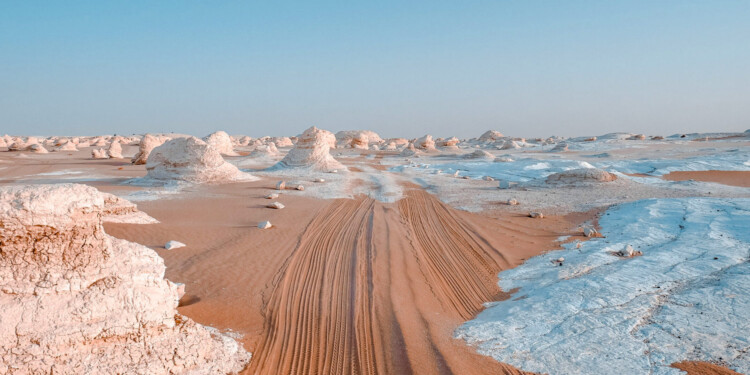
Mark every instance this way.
x=78 y=301
x=222 y=142
x=312 y=151
x=192 y=160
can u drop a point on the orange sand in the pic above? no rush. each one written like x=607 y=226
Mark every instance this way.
x=734 y=178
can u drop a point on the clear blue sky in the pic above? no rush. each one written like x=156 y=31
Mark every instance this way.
x=526 y=68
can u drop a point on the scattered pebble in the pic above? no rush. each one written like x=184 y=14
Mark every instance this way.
x=536 y=215
x=174 y=245
x=272 y=196
x=281 y=185
x=276 y=205
x=264 y=225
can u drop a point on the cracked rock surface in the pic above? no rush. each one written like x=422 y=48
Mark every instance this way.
x=76 y=300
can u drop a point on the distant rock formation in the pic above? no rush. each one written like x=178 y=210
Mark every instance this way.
x=490 y=136
x=425 y=143
x=76 y=300
x=360 y=139
x=221 y=141
x=479 y=154
x=148 y=143
x=192 y=160
x=312 y=151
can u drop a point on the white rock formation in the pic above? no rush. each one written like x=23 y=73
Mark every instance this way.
x=575 y=176
x=560 y=147
x=67 y=146
x=37 y=149
x=99 y=153
x=115 y=150
x=490 y=136
x=410 y=150
x=360 y=139
x=425 y=143
x=148 y=143
x=312 y=151
x=265 y=150
x=78 y=301
x=192 y=160
x=281 y=185
x=221 y=141
x=479 y=154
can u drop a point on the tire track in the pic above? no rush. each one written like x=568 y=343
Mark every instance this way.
x=457 y=263
x=320 y=314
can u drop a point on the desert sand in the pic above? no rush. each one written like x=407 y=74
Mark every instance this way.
x=377 y=258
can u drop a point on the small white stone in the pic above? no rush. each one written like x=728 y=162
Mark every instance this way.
x=300 y=187
x=589 y=232
x=628 y=251
x=320 y=180
x=276 y=205
x=281 y=185
x=512 y=202
x=174 y=245
x=264 y=225
x=536 y=215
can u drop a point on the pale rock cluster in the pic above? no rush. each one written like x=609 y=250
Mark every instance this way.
x=221 y=141
x=147 y=144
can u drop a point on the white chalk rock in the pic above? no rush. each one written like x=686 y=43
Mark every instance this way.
x=281 y=185
x=147 y=144
x=99 y=153
x=276 y=205
x=409 y=151
x=560 y=147
x=425 y=143
x=628 y=251
x=312 y=151
x=67 y=146
x=192 y=160
x=37 y=149
x=272 y=196
x=320 y=180
x=536 y=215
x=512 y=202
x=220 y=141
x=174 y=245
x=490 y=136
x=299 y=187
x=360 y=139
x=115 y=150
x=264 y=225
x=78 y=301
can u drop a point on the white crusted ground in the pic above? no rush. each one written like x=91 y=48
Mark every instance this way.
x=686 y=298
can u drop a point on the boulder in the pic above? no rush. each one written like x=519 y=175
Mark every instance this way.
x=312 y=151
x=115 y=150
x=220 y=141
x=148 y=143
x=78 y=301
x=192 y=160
